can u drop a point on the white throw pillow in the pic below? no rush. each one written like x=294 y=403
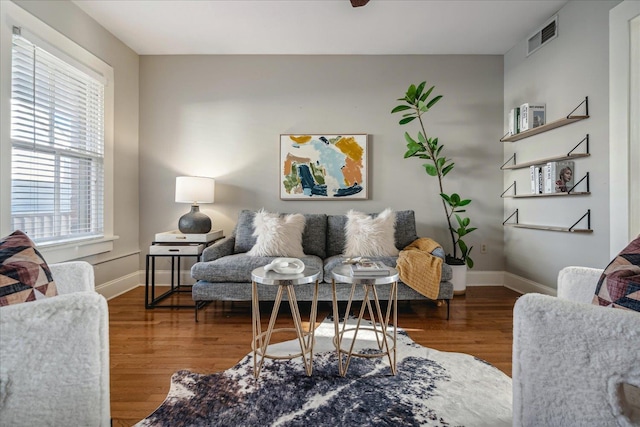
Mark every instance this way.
x=367 y=236
x=278 y=236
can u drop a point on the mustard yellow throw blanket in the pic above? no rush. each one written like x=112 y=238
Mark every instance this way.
x=419 y=269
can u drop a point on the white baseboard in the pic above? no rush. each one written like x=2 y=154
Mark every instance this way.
x=119 y=286
x=485 y=278
x=474 y=278
x=525 y=286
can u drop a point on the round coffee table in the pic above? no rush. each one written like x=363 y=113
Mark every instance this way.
x=379 y=322
x=261 y=340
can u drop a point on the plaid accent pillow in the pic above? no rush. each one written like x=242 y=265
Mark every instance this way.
x=24 y=275
x=619 y=285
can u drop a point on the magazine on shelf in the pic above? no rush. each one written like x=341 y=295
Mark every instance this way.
x=369 y=268
x=565 y=172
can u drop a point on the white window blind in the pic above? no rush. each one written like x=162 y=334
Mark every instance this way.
x=57 y=147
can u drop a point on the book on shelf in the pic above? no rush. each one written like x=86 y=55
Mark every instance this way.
x=532 y=177
x=369 y=268
x=550 y=177
x=537 y=179
x=514 y=121
x=532 y=115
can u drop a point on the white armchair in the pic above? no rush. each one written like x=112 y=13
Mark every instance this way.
x=54 y=355
x=574 y=363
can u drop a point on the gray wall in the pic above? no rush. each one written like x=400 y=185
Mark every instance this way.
x=69 y=20
x=561 y=74
x=221 y=116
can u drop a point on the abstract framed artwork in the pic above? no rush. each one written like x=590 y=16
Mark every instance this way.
x=323 y=167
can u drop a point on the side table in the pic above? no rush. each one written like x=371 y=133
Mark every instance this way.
x=180 y=246
x=261 y=340
x=379 y=322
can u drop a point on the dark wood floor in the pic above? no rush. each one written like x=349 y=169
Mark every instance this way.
x=148 y=346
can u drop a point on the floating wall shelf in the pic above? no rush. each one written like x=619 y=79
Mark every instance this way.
x=569 y=156
x=551 y=125
x=571 y=229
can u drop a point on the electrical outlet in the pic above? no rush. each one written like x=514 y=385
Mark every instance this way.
x=483 y=248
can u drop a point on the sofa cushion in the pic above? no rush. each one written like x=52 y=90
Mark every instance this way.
x=24 y=274
x=369 y=236
x=405 y=232
x=313 y=237
x=277 y=235
x=243 y=232
x=619 y=284
x=237 y=268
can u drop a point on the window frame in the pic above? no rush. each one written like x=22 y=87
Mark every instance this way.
x=56 y=43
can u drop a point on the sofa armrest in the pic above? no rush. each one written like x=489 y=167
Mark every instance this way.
x=55 y=362
x=219 y=249
x=74 y=276
x=578 y=283
x=570 y=361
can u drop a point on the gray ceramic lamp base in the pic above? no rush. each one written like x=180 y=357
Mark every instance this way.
x=194 y=222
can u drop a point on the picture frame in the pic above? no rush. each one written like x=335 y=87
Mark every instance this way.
x=324 y=167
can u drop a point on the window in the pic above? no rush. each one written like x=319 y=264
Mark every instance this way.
x=57 y=141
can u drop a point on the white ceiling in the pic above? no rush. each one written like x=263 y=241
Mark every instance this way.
x=174 y=27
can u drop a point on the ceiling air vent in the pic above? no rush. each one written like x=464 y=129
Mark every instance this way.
x=544 y=35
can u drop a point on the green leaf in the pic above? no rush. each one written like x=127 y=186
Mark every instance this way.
x=421 y=138
x=469 y=230
x=463 y=246
x=438 y=150
x=400 y=108
x=420 y=89
x=433 y=101
x=466 y=222
x=447 y=169
x=455 y=198
x=431 y=170
x=445 y=197
x=460 y=221
x=464 y=202
x=469 y=262
x=409 y=139
x=426 y=94
x=440 y=162
x=411 y=94
x=408 y=114
x=406 y=120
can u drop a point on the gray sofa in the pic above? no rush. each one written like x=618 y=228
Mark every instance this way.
x=224 y=272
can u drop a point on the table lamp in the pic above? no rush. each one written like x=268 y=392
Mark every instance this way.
x=194 y=190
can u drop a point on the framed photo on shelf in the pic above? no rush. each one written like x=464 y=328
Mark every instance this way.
x=324 y=167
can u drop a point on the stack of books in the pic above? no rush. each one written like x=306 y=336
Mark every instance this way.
x=369 y=268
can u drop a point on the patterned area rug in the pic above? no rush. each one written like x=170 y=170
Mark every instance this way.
x=432 y=388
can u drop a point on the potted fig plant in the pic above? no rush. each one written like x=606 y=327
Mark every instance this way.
x=415 y=103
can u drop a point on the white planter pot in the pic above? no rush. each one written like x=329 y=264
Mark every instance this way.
x=459 y=279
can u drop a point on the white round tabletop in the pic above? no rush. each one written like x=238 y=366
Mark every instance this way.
x=342 y=273
x=309 y=275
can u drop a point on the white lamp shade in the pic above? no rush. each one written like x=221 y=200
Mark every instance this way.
x=194 y=189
